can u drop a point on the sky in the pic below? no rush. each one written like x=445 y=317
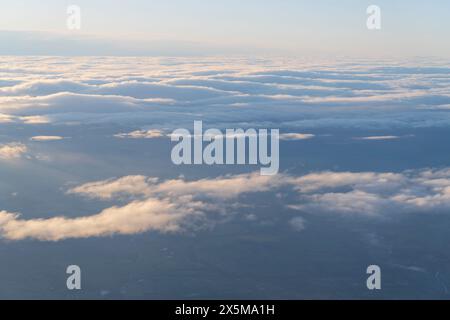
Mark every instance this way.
x=289 y=26
x=87 y=176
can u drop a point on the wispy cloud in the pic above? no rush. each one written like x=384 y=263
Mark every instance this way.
x=46 y=138
x=12 y=151
x=296 y=136
x=141 y=134
x=379 y=138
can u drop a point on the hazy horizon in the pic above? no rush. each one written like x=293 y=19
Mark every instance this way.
x=196 y=27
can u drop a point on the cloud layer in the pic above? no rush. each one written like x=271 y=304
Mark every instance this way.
x=49 y=98
x=173 y=92
x=172 y=205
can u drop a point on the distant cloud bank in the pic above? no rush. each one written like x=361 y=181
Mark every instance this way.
x=166 y=93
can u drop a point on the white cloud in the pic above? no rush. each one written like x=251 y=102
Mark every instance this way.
x=4 y=118
x=226 y=187
x=35 y=119
x=379 y=138
x=159 y=206
x=296 y=136
x=369 y=193
x=297 y=223
x=135 y=217
x=170 y=205
x=352 y=202
x=46 y=138
x=328 y=179
x=108 y=189
x=141 y=134
x=12 y=151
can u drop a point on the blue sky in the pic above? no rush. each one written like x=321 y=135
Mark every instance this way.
x=326 y=27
